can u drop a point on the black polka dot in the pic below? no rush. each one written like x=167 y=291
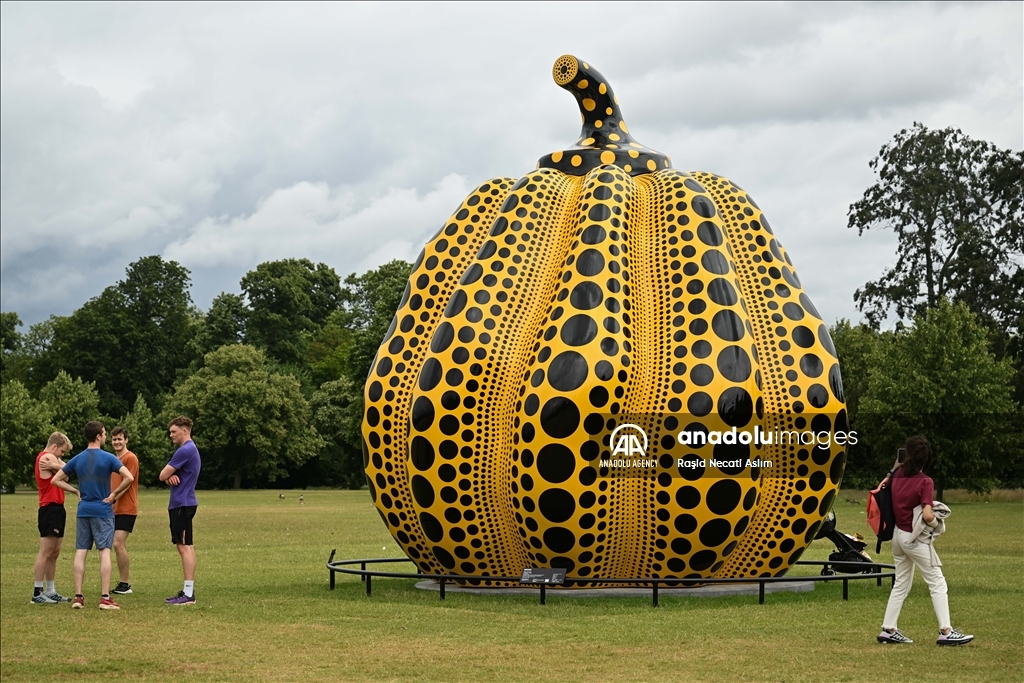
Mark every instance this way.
x=443 y=337
x=703 y=559
x=734 y=364
x=699 y=404
x=375 y=391
x=578 y=330
x=568 y=371
x=604 y=370
x=594 y=234
x=817 y=396
x=609 y=346
x=531 y=404
x=721 y=292
x=472 y=274
x=723 y=496
x=715 y=532
x=811 y=365
x=453 y=377
x=735 y=406
x=422 y=491
x=430 y=374
x=714 y=262
x=792 y=311
x=421 y=451
x=559 y=539
x=560 y=417
x=384 y=367
x=826 y=340
x=803 y=337
x=432 y=528
x=688 y=497
x=709 y=234
x=555 y=463
x=703 y=207
x=422 y=414
x=728 y=326
x=585 y=296
x=557 y=505
x=372 y=416
x=599 y=212
x=456 y=305
x=681 y=546
x=590 y=263
x=702 y=375
x=686 y=524
x=835 y=381
x=443 y=556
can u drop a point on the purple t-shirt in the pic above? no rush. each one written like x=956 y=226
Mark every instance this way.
x=187 y=464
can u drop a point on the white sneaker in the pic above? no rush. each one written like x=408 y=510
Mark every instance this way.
x=894 y=638
x=43 y=599
x=954 y=637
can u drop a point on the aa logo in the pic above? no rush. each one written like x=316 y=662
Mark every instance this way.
x=629 y=441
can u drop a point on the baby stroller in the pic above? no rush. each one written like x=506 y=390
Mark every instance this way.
x=848 y=549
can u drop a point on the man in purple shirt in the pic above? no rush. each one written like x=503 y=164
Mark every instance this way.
x=182 y=473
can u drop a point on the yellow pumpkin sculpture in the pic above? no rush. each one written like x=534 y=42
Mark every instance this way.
x=602 y=290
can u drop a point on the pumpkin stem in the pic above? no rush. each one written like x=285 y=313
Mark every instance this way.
x=604 y=138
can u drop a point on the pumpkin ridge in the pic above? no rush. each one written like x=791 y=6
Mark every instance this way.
x=389 y=388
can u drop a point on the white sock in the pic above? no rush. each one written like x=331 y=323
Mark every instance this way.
x=189 y=587
x=39 y=584
x=50 y=588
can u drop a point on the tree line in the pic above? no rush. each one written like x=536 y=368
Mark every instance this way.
x=273 y=376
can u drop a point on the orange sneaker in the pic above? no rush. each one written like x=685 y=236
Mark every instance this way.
x=107 y=603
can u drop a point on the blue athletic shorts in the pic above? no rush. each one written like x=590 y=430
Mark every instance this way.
x=98 y=530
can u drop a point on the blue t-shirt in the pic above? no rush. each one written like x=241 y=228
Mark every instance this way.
x=187 y=464
x=93 y=468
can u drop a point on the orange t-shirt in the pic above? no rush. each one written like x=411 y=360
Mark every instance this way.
x=128 y=504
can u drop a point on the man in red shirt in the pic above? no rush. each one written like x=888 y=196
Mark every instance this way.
x=126 y=508
x=52 y=518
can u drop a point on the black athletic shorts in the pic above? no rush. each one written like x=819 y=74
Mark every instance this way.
x=181 y=524
x=124 y=523
x=52 y=518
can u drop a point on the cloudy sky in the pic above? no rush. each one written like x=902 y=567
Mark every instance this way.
x=222 y=136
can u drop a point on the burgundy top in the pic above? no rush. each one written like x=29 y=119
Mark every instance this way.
x=908 y=493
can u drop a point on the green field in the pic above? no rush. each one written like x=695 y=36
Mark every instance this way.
x=264 y=611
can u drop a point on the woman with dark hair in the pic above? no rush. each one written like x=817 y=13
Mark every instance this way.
x=912 y=492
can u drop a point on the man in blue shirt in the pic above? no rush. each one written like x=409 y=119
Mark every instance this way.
x=95 y=523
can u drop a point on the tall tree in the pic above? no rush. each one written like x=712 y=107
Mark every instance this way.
x=11 y=341
x=287 y=298
x=369 y=302
x=25 y=425
x=223 y=324
x=73 y=403
x=250 y=422
x=955 y=206
x=856 y=348
x=337 y=416
x=939 y=378
x=129 y=340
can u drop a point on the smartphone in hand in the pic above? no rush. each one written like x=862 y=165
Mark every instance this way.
x=901 y=455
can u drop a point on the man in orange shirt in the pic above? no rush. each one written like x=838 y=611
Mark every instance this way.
x=126 y=508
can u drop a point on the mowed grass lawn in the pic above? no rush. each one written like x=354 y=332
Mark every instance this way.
x=264 y=611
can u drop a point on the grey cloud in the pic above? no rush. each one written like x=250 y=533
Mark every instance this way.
x=205 y=132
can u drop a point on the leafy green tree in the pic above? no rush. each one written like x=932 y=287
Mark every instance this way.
x=73 y=403
x=369 y=302
x=11 y=341
x=856 y=347
x=25 y=425
x=327 y=350
x=223 y=324
x=955 y=206
x=148 y=440
x=939 y=378
x=129 y=340
x=250 y=421
x=287 y=298
x=337 y=417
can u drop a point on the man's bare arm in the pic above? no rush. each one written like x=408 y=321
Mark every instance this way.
x=167 y=474
x=60 y=480
x=126 y=481
x=50 y=463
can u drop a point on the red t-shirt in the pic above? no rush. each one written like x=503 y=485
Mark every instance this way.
x=48 y=493
x=908 y=493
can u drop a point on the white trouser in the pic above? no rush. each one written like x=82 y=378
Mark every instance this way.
x=907 y=555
